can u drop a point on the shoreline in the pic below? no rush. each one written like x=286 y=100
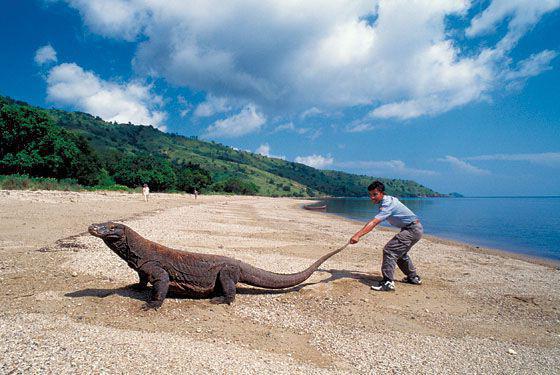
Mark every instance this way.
x=548 y=262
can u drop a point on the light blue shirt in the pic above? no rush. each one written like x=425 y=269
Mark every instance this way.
x=396 y=213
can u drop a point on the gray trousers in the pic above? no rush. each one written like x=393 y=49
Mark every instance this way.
x=396 y=250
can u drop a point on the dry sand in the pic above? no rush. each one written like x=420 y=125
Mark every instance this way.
x=66 y=308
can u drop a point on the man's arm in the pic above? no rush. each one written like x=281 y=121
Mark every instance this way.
x=365 y=230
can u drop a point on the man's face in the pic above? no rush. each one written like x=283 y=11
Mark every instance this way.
x=375 y=195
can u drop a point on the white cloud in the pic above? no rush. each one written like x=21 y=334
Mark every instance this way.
x=530 y=67
x=359 y=127
x=311 y=112
x=123 y=19
x=545 y=158
x=463 y=166
x=315 y=54
x=520 y=14
x=395 y=167
x=186 y=106
x=69 y=84
x=264 y=150
x=315 y=161
x=289 y=126
x=45 y=54
x=245 y=122
x=212 y=106
x=312 y=134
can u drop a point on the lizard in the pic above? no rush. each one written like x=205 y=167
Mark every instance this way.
x=188 y=273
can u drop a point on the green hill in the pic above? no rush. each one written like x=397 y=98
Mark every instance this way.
x=126 y=153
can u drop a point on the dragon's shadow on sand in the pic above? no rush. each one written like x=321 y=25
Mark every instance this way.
x=142 y=295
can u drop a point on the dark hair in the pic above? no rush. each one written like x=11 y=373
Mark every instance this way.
x=376 y=185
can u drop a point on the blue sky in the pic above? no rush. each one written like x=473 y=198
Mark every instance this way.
x=457 y=95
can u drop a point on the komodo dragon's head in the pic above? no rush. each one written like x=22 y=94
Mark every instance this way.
x=108 y=230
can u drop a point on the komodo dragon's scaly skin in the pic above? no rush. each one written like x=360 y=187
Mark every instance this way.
x=187 y=273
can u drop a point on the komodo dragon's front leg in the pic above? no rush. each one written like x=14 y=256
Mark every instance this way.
x=159 y=278
x=143 y=283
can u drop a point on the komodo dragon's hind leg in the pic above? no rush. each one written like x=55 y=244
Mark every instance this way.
x=228 y=277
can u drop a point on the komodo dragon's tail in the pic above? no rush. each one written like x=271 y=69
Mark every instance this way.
x=265 y=279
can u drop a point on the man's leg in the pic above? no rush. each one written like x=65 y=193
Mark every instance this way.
x=391 y=253
x=404 y=262
x=406 y=266
x=394 y=250
x=390 y=256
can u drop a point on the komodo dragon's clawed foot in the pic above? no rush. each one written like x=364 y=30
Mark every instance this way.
x=151 y=305
x=221 y=300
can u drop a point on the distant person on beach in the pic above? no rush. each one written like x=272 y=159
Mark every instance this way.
x=145 y=192
x=396 y=250
x=195 y=193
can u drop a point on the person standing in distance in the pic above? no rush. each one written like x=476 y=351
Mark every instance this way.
x=145 y=192
x=396 y=250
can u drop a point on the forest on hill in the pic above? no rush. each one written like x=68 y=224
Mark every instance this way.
x=74 y=145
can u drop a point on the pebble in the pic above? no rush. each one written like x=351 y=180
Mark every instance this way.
x=74 y=274
x=511 y=351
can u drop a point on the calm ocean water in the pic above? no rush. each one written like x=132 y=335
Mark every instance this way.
x=526 y=225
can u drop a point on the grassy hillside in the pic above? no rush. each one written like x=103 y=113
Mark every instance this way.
x=272 y=177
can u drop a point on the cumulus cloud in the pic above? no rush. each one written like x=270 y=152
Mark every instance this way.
x=123 y=19
x=45 y=54
x=545 y=158
x=69 y=84
x=395 y=167
x=212 y=106
x=324 y=56
x=463 y=166
x=315 y=161
x=245 y=122
x=264 y=150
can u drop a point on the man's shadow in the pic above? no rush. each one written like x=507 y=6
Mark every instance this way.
x=128 y=291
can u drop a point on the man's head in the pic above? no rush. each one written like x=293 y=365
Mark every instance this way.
x=108 y=230
x=376 y=191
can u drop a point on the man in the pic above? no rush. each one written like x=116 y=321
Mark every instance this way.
x=396 y=250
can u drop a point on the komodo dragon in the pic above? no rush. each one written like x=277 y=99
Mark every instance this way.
x=190 y=274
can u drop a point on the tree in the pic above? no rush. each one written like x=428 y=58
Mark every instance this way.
x=32 y=144
x=237 y=186
x=192 y=176
x=134 y=170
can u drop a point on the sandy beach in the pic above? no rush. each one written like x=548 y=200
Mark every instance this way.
x=67 y=307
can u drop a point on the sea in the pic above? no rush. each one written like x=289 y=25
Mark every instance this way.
x=524 y=225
